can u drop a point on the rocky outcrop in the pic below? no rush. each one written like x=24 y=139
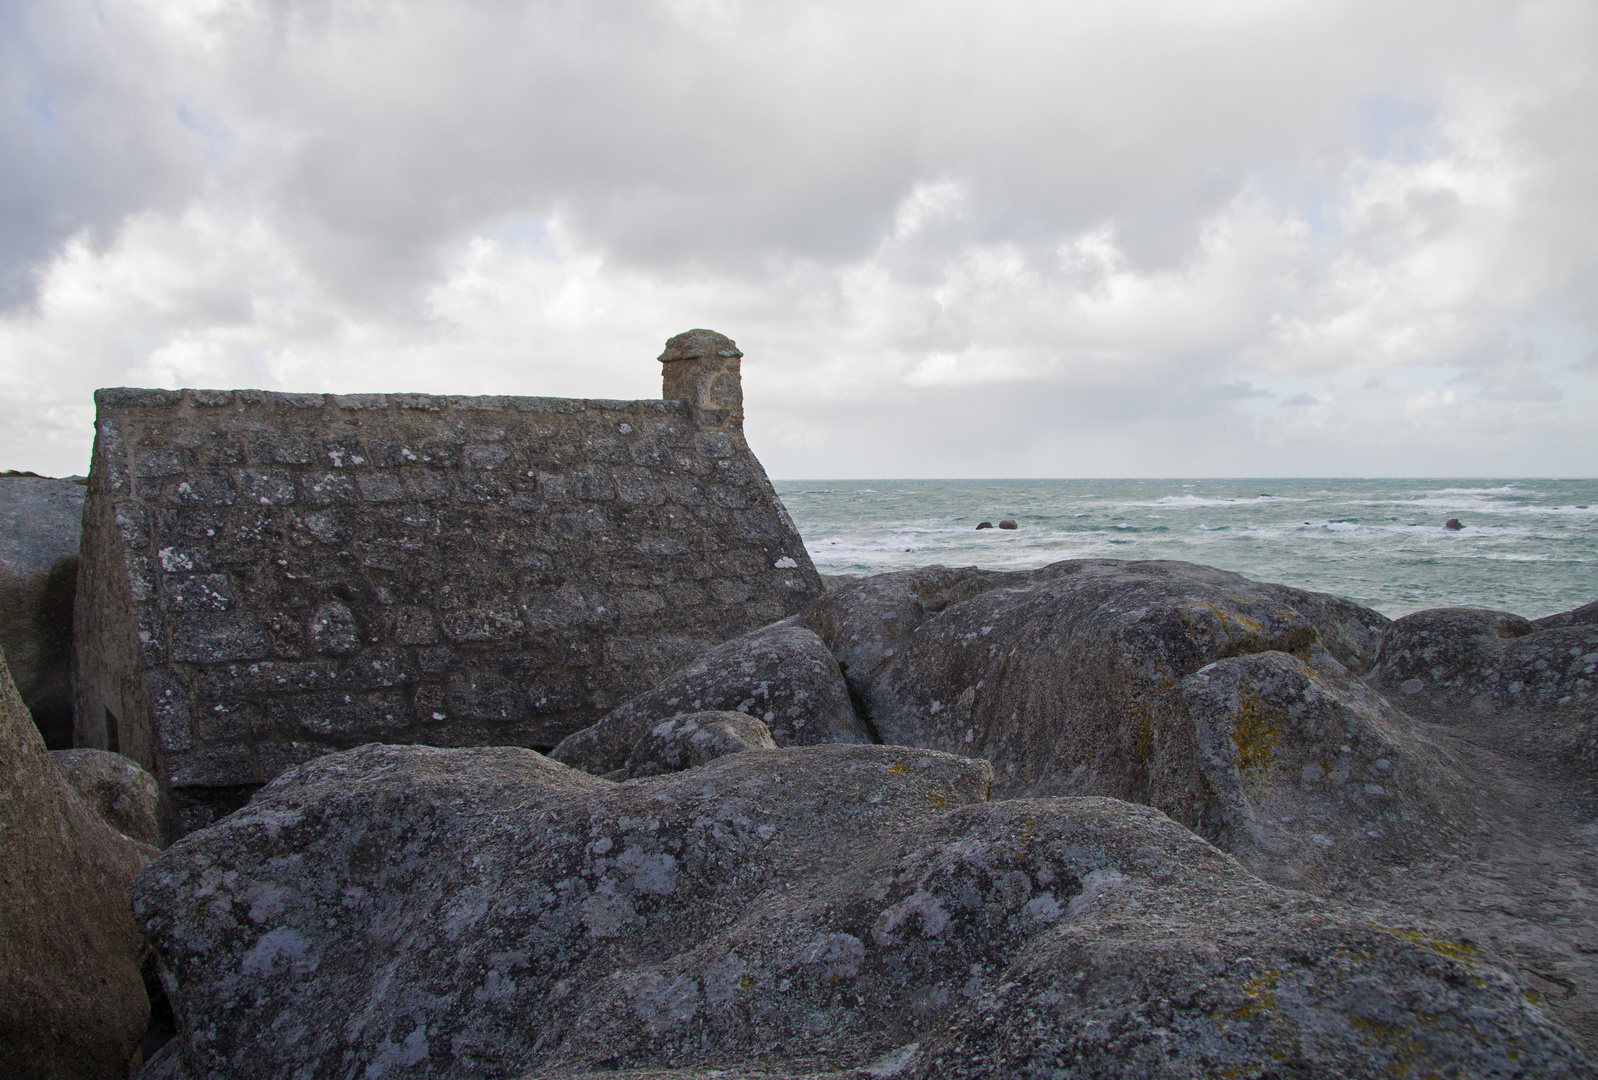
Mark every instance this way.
x=782 y=675
x=1586 y=615
x=124 y=796
x=1442 y=763
x=866 y=622
x=489 y=912
x=1491 y=660
x=693 y=739
x=1313 y=779
x=72 y=1002
x=40 y=519
x=1070 y=678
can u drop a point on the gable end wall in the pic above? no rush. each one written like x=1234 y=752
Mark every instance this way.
x=269 y=577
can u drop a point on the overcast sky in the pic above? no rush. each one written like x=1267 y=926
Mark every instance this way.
x=953 y=239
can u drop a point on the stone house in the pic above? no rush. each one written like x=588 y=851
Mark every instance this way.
x=267 y=577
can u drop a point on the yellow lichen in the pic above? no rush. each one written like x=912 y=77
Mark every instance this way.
x=1252 y=732
x=1258 y=990
x=1143 y=734
x=1462 y=951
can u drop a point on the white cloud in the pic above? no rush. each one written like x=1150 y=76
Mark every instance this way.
x=951 y=238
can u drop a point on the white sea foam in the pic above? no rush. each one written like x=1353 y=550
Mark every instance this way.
x=1383 y=540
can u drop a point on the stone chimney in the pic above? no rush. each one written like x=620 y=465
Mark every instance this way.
x=701 y=368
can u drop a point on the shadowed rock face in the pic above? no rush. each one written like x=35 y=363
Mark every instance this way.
x=39 y=523
x=489 y=912
x=1070 y=678
x=122 y=794
x=694 y=739
x=72 y=1002
x=782 y=675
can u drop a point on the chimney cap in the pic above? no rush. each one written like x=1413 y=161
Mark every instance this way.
x=699 y=344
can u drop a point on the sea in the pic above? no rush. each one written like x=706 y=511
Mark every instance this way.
x=1524 y=546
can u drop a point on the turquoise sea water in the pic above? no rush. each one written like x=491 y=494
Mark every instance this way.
x=1527 y=546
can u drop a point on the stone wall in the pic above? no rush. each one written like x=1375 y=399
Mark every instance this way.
x=270 y=576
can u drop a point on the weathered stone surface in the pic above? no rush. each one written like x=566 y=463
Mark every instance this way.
x=1586 y=615
x=1069 y=677
x=1490 y=660
x=1314 y=779
x=72 y=1002
x=124 y=795
x=783 y=675
x=490 y=913
x=269 y=576
x=1234 y=707
x=866 y=622
x=693 y=739
x=40 y=520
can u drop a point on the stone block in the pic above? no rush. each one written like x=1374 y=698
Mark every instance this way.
x=278 y=757
x=214 y=637
x=332 y=629
x=380 y=487
x=228 y=765
x=151 y=464
x=197 y=488
x=322 y=489
x=489 y=457
x=197 y=592
x=132 y=526
x=487 y=697
x=125 y=397
x=377 y=668
x=352 y=717
x=413 y=625
x=266 y=487
x=360 y=401
x=169 y=709
x=419 y=402
x=273 y=449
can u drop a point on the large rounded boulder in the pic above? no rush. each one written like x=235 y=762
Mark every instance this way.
x=856 y=909
x=782 y=675
x=72 y=1000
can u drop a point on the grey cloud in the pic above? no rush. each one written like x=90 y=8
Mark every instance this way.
x=1131 y=195
x=89 y=131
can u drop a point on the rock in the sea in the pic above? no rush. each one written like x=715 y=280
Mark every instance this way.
x=984 y=525
x=40 y=520
x=72 y=1001
x=781 y=674
x=691 y=740
x=395 y=912
x=1008 y=523
x=1453 y=525
x=125 y=796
